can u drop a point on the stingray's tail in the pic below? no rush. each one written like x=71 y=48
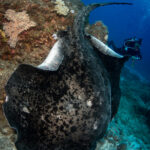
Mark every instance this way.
x=80 y=19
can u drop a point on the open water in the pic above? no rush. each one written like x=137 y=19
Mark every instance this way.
x=124 y=22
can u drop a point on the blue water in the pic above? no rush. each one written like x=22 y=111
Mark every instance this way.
x=125 y=21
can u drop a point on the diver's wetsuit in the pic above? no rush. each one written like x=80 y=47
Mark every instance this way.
x=130 y=50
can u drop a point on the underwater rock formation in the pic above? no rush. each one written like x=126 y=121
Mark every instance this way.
x=129 y=129
x=95 y=30
x=68 y=108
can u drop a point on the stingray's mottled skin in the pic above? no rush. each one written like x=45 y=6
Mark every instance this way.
x=66 y=109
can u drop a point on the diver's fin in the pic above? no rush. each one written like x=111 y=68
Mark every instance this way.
x=103 y=48
x=80 y=20
x=54 y=58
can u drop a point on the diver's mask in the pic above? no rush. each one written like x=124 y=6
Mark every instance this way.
x=132 y=47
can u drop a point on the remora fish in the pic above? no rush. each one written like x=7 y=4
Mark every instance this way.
x=64 y=103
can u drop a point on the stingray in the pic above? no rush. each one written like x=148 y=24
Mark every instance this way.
x=65 y=103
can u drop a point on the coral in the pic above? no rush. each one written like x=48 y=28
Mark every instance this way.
x=19 y=22
x=2 y=34
x=61 y=8
x=99 y=30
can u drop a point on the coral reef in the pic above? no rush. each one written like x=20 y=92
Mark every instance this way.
x=96 y=29
x=129 y=129
x=19 y=22
x=61 y=8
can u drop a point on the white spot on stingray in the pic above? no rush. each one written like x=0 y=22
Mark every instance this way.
x=59 y=116
x=6 y=99
x=42 y=118
x=89 y=103
x=95 y=126
x=70 y=108
x=26 y=110
x=101 y=102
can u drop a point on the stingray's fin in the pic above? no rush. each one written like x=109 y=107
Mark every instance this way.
x=54 y=58
x=80 y=20
x=103 y=48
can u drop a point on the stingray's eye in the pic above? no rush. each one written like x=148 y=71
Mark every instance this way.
x=6 y=99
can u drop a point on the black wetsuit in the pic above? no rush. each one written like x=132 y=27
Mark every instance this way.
x=126 y=51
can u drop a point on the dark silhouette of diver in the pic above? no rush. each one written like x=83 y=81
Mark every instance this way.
x=131 y=47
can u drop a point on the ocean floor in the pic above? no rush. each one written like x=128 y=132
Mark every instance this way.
x=130 y=129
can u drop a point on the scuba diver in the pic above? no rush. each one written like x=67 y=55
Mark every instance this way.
x=131 y=47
